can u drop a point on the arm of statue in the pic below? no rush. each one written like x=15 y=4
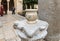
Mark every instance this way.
x=18 y=25
x=44 y=26
x=20 y=34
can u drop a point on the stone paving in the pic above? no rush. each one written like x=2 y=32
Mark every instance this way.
x=7 y=32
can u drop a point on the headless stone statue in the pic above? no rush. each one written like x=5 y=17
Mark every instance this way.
x=31 y=28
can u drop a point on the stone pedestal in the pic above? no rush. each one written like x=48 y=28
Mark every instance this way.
x=35 y=40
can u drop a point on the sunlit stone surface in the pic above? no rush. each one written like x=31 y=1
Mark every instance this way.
x=7 y=32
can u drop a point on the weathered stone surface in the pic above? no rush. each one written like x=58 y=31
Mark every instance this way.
x=1 y=34
x=7 y=32
x=10 y=40
x=18 y=39
x=49 y=10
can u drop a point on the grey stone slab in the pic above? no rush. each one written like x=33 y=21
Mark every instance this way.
x=49 y=10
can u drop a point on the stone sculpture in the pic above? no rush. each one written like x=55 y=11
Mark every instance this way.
x=32 y=28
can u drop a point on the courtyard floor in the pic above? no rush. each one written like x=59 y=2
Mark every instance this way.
x=7 y=32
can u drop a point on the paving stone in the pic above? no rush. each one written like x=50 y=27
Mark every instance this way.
x=9 y=34
x=7 y=31
x=18 y=39
x=11 y=40
x=1 y=33
x=1 y=24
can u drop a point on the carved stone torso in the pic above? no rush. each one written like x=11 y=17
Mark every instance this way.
x=33 y=30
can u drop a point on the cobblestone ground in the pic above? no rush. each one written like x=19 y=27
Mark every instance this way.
x=7 y=32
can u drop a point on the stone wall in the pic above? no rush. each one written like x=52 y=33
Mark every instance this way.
x=49 y=10
x=18 y=6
